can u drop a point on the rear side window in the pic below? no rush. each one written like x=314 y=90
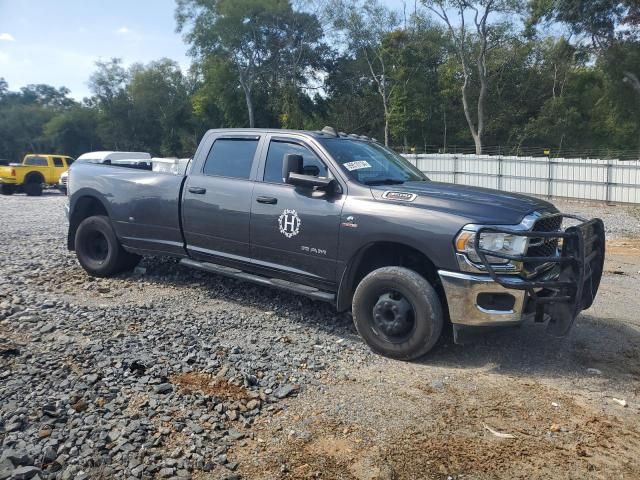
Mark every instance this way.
x=36 y=162
x=57 y=162
x=69 y=161
x=231 y=157
x=311 y=164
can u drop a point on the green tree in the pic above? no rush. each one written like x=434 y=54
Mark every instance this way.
x=598 y=20
x=74 y=131
x=417 y=105
x=473 y=45
x=108 y=85
x=161 y=108
x=23 y=116
x=262 y=39
x=365 y=25
x=352 y=102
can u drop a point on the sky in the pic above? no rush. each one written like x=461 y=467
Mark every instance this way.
x=57 y=42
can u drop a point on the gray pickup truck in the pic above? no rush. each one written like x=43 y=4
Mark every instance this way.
x=341 y=218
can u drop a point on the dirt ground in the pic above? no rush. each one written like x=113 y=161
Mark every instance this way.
x=515 y=404
x=570 y=408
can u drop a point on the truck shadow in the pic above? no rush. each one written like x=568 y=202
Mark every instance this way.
x=609 y=345
x=606 y=346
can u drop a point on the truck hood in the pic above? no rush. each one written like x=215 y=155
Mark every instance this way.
x=477 y=205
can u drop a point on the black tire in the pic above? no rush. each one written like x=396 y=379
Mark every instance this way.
x=33 y=189
x=407 y=331
x=98 y=249
x=7 y=189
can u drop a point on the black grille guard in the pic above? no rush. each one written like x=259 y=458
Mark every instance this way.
x=579 y=270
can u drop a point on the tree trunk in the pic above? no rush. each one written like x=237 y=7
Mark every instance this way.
x=481 y=101
x=386 y=125
x=247 y=95
x=633 y=80
x=444 y=140
x=477 y=140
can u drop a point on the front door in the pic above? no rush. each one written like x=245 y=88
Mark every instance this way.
x=217 y=202
x=295 y=230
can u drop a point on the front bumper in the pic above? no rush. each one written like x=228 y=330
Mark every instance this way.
x=567 y=286
x=8 y=181
x=463 y=291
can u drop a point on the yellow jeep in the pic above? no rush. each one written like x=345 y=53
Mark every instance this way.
x=36 y=171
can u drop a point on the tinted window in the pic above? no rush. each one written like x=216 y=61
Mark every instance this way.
x=36 y=161
x=57 y=162
x=311 y=164
x=69 y=161
x=231 y=157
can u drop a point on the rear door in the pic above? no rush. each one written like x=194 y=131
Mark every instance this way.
x=217 y=200
x=294 y=230
x=59 y=166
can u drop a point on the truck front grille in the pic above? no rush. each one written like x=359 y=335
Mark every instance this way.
x=548 y=224
x=543 y=247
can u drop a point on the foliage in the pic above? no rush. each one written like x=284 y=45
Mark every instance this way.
x=270 y=46
x=566 y=77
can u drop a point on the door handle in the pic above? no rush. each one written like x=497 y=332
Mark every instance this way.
x=268 y=200
x=198 y=190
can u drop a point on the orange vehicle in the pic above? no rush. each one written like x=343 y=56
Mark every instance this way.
x=34 y=173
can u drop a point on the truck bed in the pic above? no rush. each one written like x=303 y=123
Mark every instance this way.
x=135 y=198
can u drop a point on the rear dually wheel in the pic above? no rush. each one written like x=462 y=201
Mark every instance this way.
x=98 y=249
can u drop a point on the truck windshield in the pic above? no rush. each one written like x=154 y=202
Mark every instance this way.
x=370 y=163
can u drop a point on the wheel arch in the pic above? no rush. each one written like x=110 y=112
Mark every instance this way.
x=379 y=254
x=85 y=206
x=34 y=177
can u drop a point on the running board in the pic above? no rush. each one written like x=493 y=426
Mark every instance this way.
x=306 y=290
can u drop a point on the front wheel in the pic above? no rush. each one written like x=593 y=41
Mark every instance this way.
x=98 y=249
x=397 y=313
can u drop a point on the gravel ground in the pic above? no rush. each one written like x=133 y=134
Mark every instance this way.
x=621 y=220
x=152 y=374
x=173 y=373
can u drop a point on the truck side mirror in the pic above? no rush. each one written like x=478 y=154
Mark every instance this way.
x=291 y=163
x=311 y=170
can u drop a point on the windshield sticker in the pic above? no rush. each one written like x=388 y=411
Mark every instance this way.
x=357 y=165
x=401 y=196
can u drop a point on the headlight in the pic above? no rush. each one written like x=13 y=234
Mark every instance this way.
x=495 y=242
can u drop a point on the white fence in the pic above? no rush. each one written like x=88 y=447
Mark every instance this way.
x=588 y=179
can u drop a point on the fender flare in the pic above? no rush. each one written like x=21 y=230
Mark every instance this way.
x=28 y=178
x=344 y=294
x=79 y=196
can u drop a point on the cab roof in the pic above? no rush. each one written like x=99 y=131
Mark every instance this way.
x=326 y=132
x=46 y=155
x=114 y=155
